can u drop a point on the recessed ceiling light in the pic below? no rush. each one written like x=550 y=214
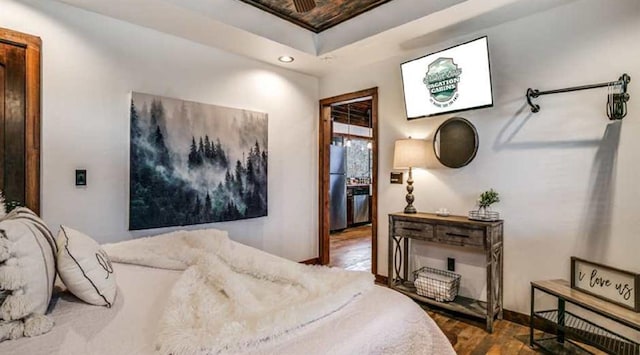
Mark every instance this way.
x=286 y=59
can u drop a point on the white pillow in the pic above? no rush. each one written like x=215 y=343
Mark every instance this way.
x=85 y=268
x=27 y=274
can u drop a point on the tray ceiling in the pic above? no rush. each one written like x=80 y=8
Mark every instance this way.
x=401 y=29
x=326 y=14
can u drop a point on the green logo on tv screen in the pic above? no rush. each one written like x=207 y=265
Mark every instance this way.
x=442 y=80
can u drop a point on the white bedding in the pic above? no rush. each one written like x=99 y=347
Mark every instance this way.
x=231 y=297
x=374 y=323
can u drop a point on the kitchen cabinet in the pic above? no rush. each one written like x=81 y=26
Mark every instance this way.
x=358 y=205
x=349 y=207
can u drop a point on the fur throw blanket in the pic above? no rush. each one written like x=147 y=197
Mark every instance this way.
x=231 y=297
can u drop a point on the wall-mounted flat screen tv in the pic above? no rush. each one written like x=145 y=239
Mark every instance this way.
x=454 y=79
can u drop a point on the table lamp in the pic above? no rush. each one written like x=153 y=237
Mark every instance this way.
x=408 y=154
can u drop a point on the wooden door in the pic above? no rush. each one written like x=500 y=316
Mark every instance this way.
x=20 y=118
x=13 y=122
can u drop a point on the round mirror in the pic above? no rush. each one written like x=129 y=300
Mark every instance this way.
x=456 y=142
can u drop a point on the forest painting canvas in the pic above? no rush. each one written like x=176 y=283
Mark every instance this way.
x=194 y=163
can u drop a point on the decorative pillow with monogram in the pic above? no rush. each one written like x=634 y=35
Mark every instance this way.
x=85 y=268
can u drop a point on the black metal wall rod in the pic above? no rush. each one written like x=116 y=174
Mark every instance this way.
x=623 y=81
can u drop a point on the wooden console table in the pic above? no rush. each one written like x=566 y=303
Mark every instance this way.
x=571 y=326
x=482 y=237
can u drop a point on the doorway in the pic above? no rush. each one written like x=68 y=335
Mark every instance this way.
x=348 y=189
x=20 y=119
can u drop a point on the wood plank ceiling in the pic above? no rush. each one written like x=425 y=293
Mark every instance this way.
x=355 y=113
x=326 y=14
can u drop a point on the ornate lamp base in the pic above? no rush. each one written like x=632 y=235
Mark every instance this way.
x=410 y=209
x=409 y=198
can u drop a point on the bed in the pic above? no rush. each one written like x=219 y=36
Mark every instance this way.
x=378 y=321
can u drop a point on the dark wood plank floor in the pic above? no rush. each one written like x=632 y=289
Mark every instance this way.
x=351 y=249
x=469 y=337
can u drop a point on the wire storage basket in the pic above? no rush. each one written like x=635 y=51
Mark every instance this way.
x=485 y=216
x=437 y=284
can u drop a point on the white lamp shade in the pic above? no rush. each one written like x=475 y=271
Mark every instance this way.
x=411 y=153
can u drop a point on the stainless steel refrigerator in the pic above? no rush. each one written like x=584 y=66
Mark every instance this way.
x=338 y=188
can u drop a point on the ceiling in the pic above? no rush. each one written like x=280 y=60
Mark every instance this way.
x=326 y=14
x=399 y=28
x=356 y=113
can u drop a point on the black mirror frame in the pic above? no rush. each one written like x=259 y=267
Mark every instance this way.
x=475 y=133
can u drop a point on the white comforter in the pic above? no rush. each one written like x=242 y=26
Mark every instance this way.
x=231 y=298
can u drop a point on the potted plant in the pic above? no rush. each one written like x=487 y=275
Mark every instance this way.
x=485 y=201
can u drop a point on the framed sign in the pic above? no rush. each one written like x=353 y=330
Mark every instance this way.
x=605 y=282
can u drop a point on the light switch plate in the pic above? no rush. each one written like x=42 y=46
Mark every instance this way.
x=81 y=177
x=396 y=178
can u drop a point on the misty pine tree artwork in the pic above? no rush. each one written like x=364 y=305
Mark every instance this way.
x=193 y=163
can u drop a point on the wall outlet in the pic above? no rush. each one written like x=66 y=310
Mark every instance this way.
x=81 y=177
x=451 y=264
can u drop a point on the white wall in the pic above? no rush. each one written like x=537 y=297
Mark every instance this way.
x=91 y=63
x=568 y=179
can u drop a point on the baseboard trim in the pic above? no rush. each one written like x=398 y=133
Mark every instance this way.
x=381 y=279
x=312 y=261
x=516 y=317
x=525 y=320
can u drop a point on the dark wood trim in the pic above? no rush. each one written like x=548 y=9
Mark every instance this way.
x=316 y=29
x=516 y=317
x=524 y=319
x=324 y=141
x=33 y=47
x=323 y=186
x=275 y=12
x=382 y=280
x=350 y=96
x=19 y=38
x=312 y=261
x=374 y=180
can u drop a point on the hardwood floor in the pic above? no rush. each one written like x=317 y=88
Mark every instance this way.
x=469 y=337
x=351 y=249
